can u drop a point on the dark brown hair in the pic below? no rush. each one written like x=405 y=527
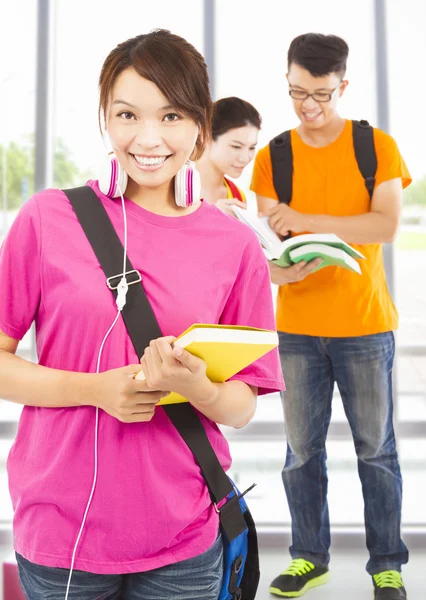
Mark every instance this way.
x=231 y=113
x=174 y=65
x=319 y=54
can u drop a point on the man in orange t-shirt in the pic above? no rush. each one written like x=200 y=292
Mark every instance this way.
x=336 y=326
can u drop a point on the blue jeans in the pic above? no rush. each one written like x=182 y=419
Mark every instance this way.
x=362 y=368
x=192 y=579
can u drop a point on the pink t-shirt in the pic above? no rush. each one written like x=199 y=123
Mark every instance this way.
x=151 y=506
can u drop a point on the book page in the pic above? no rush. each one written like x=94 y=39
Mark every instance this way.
x=266 y=235
x=319 y=238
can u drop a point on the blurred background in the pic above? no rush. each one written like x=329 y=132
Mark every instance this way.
x=51 y=53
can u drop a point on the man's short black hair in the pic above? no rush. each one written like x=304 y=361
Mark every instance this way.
x=319 y=54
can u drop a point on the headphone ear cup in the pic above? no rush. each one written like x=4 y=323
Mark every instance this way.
x=122 y=179
x=196 y=185
x=187 y=185
x=113 y=178
x=180 y=193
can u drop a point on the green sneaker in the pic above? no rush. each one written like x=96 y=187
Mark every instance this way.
x=388 y=585
x=298 y=579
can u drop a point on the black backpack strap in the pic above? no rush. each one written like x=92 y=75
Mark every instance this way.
x=282 y=159
x=282 y=166
x=250 y=581
x=109 y=252
x=365 y=153
x=142 y=327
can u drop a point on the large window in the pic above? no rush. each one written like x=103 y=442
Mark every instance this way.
x=17 y=116
x=17 y=107
x=406 y=45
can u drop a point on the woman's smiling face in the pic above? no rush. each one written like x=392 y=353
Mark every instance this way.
x=151 y=139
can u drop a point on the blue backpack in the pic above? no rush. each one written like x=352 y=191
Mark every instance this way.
x=241 y=565
x=241 y=557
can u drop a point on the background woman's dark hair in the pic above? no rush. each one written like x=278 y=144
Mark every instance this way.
x=319 y=54
x=231 y=113
x=176 y=68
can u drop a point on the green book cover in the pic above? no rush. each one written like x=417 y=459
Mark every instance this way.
x=332 y=256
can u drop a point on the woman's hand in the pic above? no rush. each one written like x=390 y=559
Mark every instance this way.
x=176 y=370
x=225 y=205
x=125 y=398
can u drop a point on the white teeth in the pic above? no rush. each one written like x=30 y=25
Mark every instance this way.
x=144 y=160
x=311 y=115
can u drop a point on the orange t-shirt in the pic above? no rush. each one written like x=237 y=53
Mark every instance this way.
x=335 y=302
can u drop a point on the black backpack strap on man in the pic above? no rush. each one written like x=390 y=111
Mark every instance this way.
x=365 y=153
x=282 y=166
x=142 y=327
x=282 y=160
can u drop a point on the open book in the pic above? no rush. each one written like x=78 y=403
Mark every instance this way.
x=226 y=349
x=329 y=247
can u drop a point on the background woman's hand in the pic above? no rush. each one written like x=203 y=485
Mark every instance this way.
x=225 y=204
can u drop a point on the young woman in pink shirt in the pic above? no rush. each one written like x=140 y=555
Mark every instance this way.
x=150 y=530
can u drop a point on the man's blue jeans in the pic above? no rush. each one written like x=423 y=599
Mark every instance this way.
x=362 y=368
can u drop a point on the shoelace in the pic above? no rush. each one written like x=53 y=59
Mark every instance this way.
x=299 y=566
x=389 y=579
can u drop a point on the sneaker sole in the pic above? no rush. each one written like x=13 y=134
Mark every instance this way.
x=311 y=584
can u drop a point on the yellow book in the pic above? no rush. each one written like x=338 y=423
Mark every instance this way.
x=226 y=350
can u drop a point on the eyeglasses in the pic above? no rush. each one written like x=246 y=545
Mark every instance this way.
x=317 y=96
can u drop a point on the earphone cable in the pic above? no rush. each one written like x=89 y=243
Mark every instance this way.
x=95 y=469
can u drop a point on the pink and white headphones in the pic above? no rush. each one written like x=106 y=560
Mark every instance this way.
x=113 y=179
